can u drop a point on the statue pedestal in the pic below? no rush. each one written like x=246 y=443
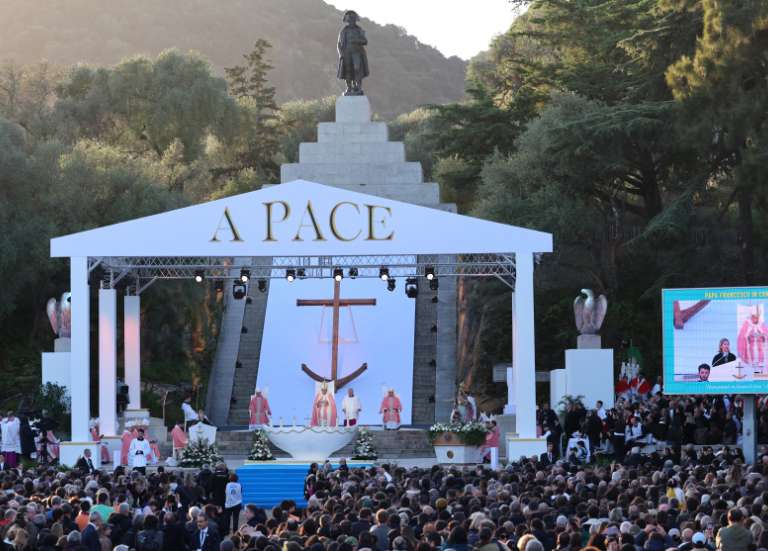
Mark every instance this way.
x=588 y=342
x=587 y=373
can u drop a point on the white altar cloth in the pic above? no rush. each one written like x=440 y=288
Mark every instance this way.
x=310 y=443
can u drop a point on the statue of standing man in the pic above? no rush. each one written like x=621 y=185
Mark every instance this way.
x=353 y=61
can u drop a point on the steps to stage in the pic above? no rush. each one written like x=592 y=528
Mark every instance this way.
x=268 y=483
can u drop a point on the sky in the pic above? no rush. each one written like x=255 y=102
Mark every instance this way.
x=455 y=27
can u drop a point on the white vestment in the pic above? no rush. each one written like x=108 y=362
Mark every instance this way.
x=139 y=453
x=10 y=435
x=189 y=412
x=351 y=407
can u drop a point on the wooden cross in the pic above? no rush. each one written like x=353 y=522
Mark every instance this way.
x=336 y=303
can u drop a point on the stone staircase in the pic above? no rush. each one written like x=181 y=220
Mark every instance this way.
x=390 y=444
x=248 y=355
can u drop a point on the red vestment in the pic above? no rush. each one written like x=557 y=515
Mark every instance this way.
x=752 y=343
x=323 y=410
x=390 y=409
x=259 y=410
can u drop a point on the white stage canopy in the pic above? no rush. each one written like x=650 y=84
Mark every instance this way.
x=298 y=224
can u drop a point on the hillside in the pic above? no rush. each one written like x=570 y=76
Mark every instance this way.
x=303 y=33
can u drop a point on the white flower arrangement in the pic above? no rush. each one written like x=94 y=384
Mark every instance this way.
x=260 y=450
x=137 y=422
x=471 y=433
x=199 y=453
x=364 y=446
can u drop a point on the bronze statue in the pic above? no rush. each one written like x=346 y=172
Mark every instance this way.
x=353 y=61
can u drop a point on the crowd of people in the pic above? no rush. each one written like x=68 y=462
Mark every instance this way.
x=659 y=485
x=650 y=419
x=656 y=504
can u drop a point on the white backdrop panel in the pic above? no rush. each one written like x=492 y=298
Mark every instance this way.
x=292 y=336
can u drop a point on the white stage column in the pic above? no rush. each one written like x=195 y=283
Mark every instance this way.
x=80 y=389
x=108 y=362
x=80 y=349
x=524 y=363
x=132 y=345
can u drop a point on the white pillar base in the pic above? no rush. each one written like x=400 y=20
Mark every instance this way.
x=524 y=447
x=70 y=452
x=113 y=444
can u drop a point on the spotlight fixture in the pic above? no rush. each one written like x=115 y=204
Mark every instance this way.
x=384 y=273
x=338 y=274
x=245 y=275
x=429 y=272
x=391 y=284
x=199 y=276
x=219 y=286
x=238 y=290
x=411 y=287
x=433 y=328
x=290 y=275
x=433 y=284
x=434 y=299
x=262 y=285
x=353 y=273
x=244 y=329
x=301 y=273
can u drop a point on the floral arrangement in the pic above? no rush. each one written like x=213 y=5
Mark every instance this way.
x=260 y=450
x=364 y=447
x=137 y=423
x=199 y=453
x=470 y=434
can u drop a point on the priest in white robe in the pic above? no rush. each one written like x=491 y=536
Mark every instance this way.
x=139 y=453
x=351 y=408
x=190 y=415
x=10 y=442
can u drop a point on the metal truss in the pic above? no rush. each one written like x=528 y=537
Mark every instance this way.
x=146 y=270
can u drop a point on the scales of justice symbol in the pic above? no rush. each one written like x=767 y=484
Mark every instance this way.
x=336 y=303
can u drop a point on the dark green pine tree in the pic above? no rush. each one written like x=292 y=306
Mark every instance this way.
x=250 y=85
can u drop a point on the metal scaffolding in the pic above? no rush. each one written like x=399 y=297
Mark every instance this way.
x=145 y=270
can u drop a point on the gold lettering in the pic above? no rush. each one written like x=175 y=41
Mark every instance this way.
x=381 y=221
x=318 y=233
x=228 y=217
x=286 y=213
x=335 y=230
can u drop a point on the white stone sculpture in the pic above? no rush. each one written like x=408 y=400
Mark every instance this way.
x=589 y=312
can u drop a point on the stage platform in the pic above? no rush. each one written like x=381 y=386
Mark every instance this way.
x=404 y=443
x=267 y=483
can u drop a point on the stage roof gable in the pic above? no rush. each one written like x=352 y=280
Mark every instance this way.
x=301 y=218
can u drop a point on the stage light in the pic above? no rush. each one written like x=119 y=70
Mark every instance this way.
x=199 y=276
x=411 y=287
x=353 y=273
x=219 y=286
x=433 y=284
x=338 y=274
x=290 y=275
x=429 y=272
x=238 y=290
x=391 y=284
x=384 y=273
x=262 y=285
x=301 y=273
x=245 y=275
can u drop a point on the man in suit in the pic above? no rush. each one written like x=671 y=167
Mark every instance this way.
x=90 y=537
x=85 y=463
x=206 y=538
x=734 y=537
x=547 y=458
x=3 y=465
